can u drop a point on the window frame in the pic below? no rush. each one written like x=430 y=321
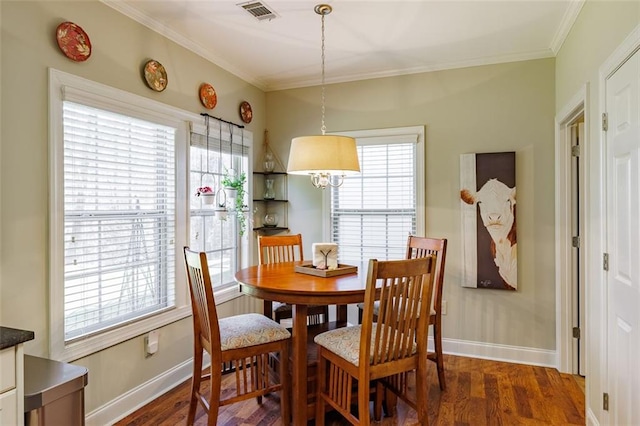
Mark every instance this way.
x=64 y=86
x=380 y=136
x=225 y=293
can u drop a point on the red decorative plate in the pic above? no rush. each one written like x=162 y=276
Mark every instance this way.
x=245 y=112
x=208 y=96
x=155 y=75
x=73 y=41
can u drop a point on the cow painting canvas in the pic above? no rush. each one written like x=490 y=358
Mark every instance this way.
x=488 y=205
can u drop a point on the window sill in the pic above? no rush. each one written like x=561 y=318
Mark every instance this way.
x=100 y=341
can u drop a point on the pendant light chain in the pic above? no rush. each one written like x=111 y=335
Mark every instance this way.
x=323 y=12
x=325 y=158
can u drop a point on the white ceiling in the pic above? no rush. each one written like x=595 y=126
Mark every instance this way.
x=364 y=39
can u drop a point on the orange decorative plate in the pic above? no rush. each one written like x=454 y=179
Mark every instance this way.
x=245 y=112
x=73 y=41
x=208 y=96
x=155 y=75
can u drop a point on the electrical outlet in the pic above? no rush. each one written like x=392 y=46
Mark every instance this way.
x=443 y=308
x=151 y=342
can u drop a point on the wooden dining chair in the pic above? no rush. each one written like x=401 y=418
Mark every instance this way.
x=286 y=248
x=421 y=247
x=242 y=341
x=384 y=351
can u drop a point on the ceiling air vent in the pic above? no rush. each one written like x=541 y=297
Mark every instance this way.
x=258 y=10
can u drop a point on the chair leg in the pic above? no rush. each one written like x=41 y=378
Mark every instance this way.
x=325 y=313
x=285 y=381
x=196 y=379
x=268 y=308
x=321 y=379
x=260 y=367
x=364 y=417
x=391 y=402
x=422 y=392
x=378 y=398
x=214 y=398
x=437 y=340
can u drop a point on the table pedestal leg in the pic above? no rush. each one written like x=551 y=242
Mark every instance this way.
x=341 y=313
x=299 y=365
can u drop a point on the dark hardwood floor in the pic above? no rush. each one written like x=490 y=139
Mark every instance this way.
x=479 y=392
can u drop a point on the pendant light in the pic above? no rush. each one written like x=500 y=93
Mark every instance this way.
x=326 y=158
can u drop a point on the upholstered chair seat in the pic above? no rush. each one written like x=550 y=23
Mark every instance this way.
x=242 y=331
x=345 y=342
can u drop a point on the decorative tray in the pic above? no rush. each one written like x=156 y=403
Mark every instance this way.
x=307 y=268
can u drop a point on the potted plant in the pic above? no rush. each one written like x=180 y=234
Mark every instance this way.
x=221 y=208
x=234 y=189
x=207 y=194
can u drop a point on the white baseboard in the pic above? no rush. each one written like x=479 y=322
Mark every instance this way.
x=141 y=395
x=592 y=420
x=497 y=352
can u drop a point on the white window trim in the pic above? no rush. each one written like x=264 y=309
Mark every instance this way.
x=101 y=96
x=245 y=242
x=372 y=136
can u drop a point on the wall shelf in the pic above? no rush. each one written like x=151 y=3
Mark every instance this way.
x=277 y=205
x=270 y=228
x=271 y=173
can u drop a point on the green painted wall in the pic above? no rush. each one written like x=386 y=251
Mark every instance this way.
x=507 y=107
x=120 y=47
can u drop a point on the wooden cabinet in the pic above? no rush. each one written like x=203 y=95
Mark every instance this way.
x=270 y=191
x=12 y=375
x=12 y=386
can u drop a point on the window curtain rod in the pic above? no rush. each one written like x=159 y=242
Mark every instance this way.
x=204 y=114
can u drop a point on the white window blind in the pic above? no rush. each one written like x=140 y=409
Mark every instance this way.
x=227 y=148
x=119 y=219
x=373 y=212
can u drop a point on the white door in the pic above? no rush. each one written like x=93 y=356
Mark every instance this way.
x=623 y=242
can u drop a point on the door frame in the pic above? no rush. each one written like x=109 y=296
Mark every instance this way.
x=577 y=106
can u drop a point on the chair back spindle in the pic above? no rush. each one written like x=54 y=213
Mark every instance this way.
x=286 y=248
x=420 y=247
x=279 y=248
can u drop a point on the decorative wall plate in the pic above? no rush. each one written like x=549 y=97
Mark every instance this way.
x=73 y=41
x=245 y=112
x=208 y=96
x=155 y=75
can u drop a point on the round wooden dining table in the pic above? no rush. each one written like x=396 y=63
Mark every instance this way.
x=280 y=282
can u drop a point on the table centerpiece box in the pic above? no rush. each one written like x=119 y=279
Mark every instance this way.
x=342 y=269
